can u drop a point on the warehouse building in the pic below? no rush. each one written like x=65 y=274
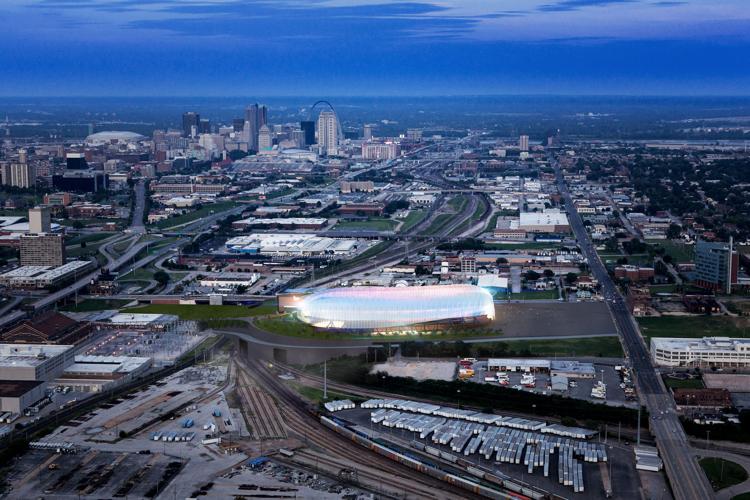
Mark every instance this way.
x=288 y=223
x=706 y=352
x=26 y=369
x=291 y=245
x=44 y=276
x=90 y=373
x=143 y=321
x=48 y=328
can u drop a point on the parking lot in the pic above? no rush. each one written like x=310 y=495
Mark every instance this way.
x=620 y=459
x=579 y=388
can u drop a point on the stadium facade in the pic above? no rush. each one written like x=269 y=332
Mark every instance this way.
x=373 y=308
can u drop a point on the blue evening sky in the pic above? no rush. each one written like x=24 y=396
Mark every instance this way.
x=374 y=47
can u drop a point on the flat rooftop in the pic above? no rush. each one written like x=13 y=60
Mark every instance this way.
x=29 y=355
x=142 y=319
x=91 y=364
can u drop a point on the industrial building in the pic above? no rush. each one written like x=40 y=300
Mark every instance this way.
x=556 y=368
x=288 y=223
x=291 y=245
x=25 y=369
x=51 y=328
x=397 y=308
x=89 y=373
x=230 y=280
x=549 y=221
x=44 y=276
x=708 y=351
x=142 y=321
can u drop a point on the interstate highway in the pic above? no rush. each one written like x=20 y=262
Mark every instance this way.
x=685 y=474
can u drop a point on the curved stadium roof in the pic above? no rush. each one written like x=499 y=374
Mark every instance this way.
x=108 y=136
x=369 y=308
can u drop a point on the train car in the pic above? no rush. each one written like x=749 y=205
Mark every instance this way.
x=417 y=464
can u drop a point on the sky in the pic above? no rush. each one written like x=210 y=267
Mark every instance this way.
x=373 y=47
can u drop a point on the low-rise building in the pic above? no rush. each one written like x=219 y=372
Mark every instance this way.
x=707 y=351
x=90 y=373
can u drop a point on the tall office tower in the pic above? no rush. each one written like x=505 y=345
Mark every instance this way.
x=328 y=133
x=716 y=265
x=76 y=161
x=238 y=124
x=367 y=132
x=22 y=156
x=523 y=143
x=308 y=127
x=39 y=220
x=256 y=116
x=190 y=122
x=42 y=249
x=22 y=175
x=204 y=126
x=265 y=140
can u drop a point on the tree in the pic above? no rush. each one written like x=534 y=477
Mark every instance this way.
x=674 y=231
x=549 y=273
x=532 y=275
x=241 y=289
x=571 y=278
x=161 y=277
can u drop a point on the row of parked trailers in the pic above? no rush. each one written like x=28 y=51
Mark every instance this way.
x=481 y=418
x=506 y=445
x=8 y=417
x=171 y=436
x=475 y=485
x=338 y=405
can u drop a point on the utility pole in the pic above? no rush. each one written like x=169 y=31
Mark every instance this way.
x=325 y=380
x=638 y=427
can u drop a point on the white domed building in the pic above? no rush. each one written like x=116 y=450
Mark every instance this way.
x=113 y=137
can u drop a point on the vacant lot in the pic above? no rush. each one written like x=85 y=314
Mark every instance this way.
x=206 y=312
x=694 y=326
x=723 y=473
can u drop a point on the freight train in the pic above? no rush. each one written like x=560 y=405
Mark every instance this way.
x=477 y=486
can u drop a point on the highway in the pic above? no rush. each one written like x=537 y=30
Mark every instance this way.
x=399 y=250
x=685 y=474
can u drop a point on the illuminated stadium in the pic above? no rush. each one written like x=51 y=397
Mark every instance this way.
x=389 y=309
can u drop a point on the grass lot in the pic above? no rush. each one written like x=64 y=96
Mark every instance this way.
x=438 y=223
x=723 y=473
x=345 y=368
x=679 y=251
x=289 y=326
x=88 y=238
x=492 y=223
x=545 y=294
x=414 y=218
x=374 y=224
x=206 y=312
x=315 y=395
x=195 y=214
x=94 y=305
x=671 y=289
x=691 y=383
x=478 y=212
x=608 y=347
x=742 y=496
x=694 y=326
x=140 y=274
x=458 y=203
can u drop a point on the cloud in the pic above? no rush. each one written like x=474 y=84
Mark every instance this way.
x=569 y=5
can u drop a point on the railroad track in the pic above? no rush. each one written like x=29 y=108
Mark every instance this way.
x=297 y=416
x=398 y=487
x=260 y=409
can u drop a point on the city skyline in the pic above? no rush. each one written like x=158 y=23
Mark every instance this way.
x=362 y=47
